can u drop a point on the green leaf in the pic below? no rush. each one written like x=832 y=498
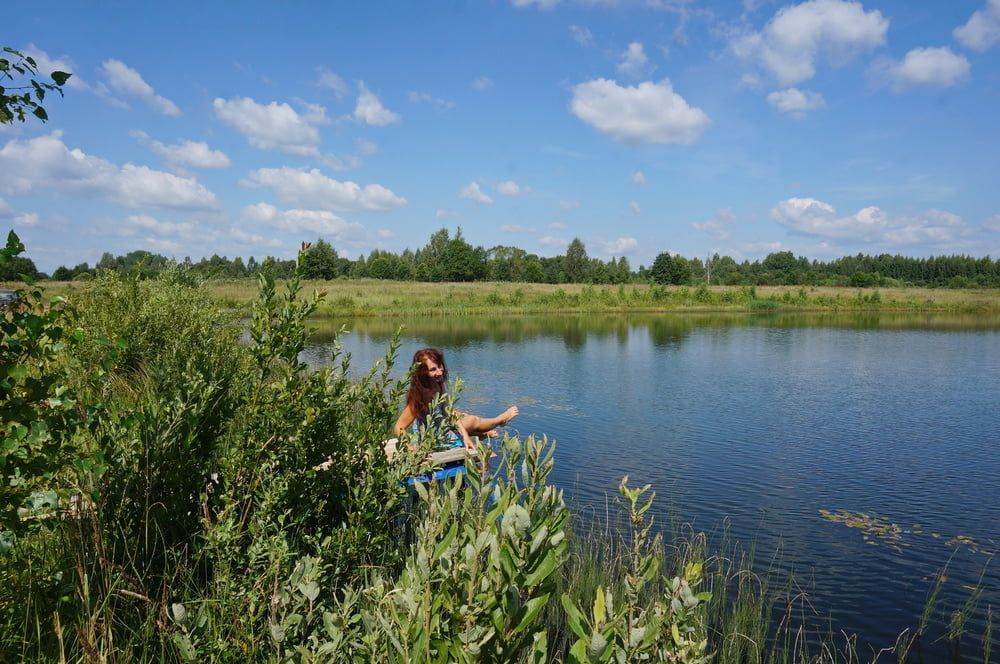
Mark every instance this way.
x=578 y=653
x=40 y=113
x=60 y=77
x=542 y=571
x=599 y=607
x=530 y=611
x=449 y=537
x=574 y=617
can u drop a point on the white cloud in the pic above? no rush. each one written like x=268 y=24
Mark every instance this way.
x=428 y=98
x=922 y=67
x=797 y=36
x=716 y=226
x=620 y=246
x=321 y=222
x=370 y=110
x=569 y=204
x=638 y=178
x=126 y=81
x=871 y=224
x=646 y=113
x=185 y=229
x=385 y=234
x=482 y=83
x=582 y=35
x=982 y=31
x=271 y=126
x=474 y=193
x=443 y=213
x=166 y=246
x=993 y=223
x=510 y=188
x=331 y=81
x=515 y=228
x=315 y=114
x=762 y=247
x=244 y=237
x=541 y=4
x=634 y=207
x=48 y=64
x=796 y=102
x=26 y=219
x=558 y=226
x=312 y=189
x=552 y=242
x=188 y=153
x=634 y=60
x=47 y=162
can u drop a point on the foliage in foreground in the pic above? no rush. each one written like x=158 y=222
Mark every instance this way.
x=187 y=514
x=176 y=507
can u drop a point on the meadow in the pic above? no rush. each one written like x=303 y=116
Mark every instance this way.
x=373 y=297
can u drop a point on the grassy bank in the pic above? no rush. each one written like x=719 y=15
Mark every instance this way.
x=367 y=297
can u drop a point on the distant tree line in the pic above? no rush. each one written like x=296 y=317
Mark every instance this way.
x=449 y=257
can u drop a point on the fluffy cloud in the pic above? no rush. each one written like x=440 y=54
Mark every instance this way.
x=569 y=204
x=312 y=189
x=809 y=216
x=271 y=126
x=47 y=162
x=516 y=228
x=634 y=60
x=634 y=207
x=187 y=153
x=638 y=178
x=646 y=113
x=510 y=188
x=796 y=102
x=716 y=226
x=581 y=35
x=482 y=83
x=26 y=219
x=797 y=36
x=146 y=222
x=370 y=110
x=552 y=242
x=128 y=82
x=620 y=246
x=474 y=193
x=922 y=67
x=428 y=98
x=982 y=31
x=443 y=213
x=993 y=223
x=541 y=4
x=558 y=226
x=331 y=81
x=321 y=222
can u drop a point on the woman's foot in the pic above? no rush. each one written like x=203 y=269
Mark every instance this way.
x=508 y=415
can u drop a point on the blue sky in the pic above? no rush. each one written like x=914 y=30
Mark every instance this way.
x=823 y=127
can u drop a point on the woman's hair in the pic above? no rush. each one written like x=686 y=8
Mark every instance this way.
x=423 y=388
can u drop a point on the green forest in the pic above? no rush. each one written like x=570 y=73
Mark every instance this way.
x=450 y=257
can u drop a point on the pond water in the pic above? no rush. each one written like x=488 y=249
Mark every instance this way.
x=783 y=429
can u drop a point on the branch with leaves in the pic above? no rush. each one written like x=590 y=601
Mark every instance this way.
x=25 y=93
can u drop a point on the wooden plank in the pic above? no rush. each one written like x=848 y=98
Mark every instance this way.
x=437 y=458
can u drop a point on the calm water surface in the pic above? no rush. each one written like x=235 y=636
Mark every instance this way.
x=761 y=423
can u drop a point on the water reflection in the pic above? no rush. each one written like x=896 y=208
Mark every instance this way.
x=664 y=329
x=826 y=436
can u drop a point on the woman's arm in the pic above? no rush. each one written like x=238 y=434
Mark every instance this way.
x=469 y=445
x=404 y=421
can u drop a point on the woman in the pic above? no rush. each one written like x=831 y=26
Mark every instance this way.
x=428 y=382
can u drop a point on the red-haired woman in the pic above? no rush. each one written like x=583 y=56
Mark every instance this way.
x=428 y=382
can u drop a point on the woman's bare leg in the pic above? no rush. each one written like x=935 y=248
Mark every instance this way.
x=480 y=426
